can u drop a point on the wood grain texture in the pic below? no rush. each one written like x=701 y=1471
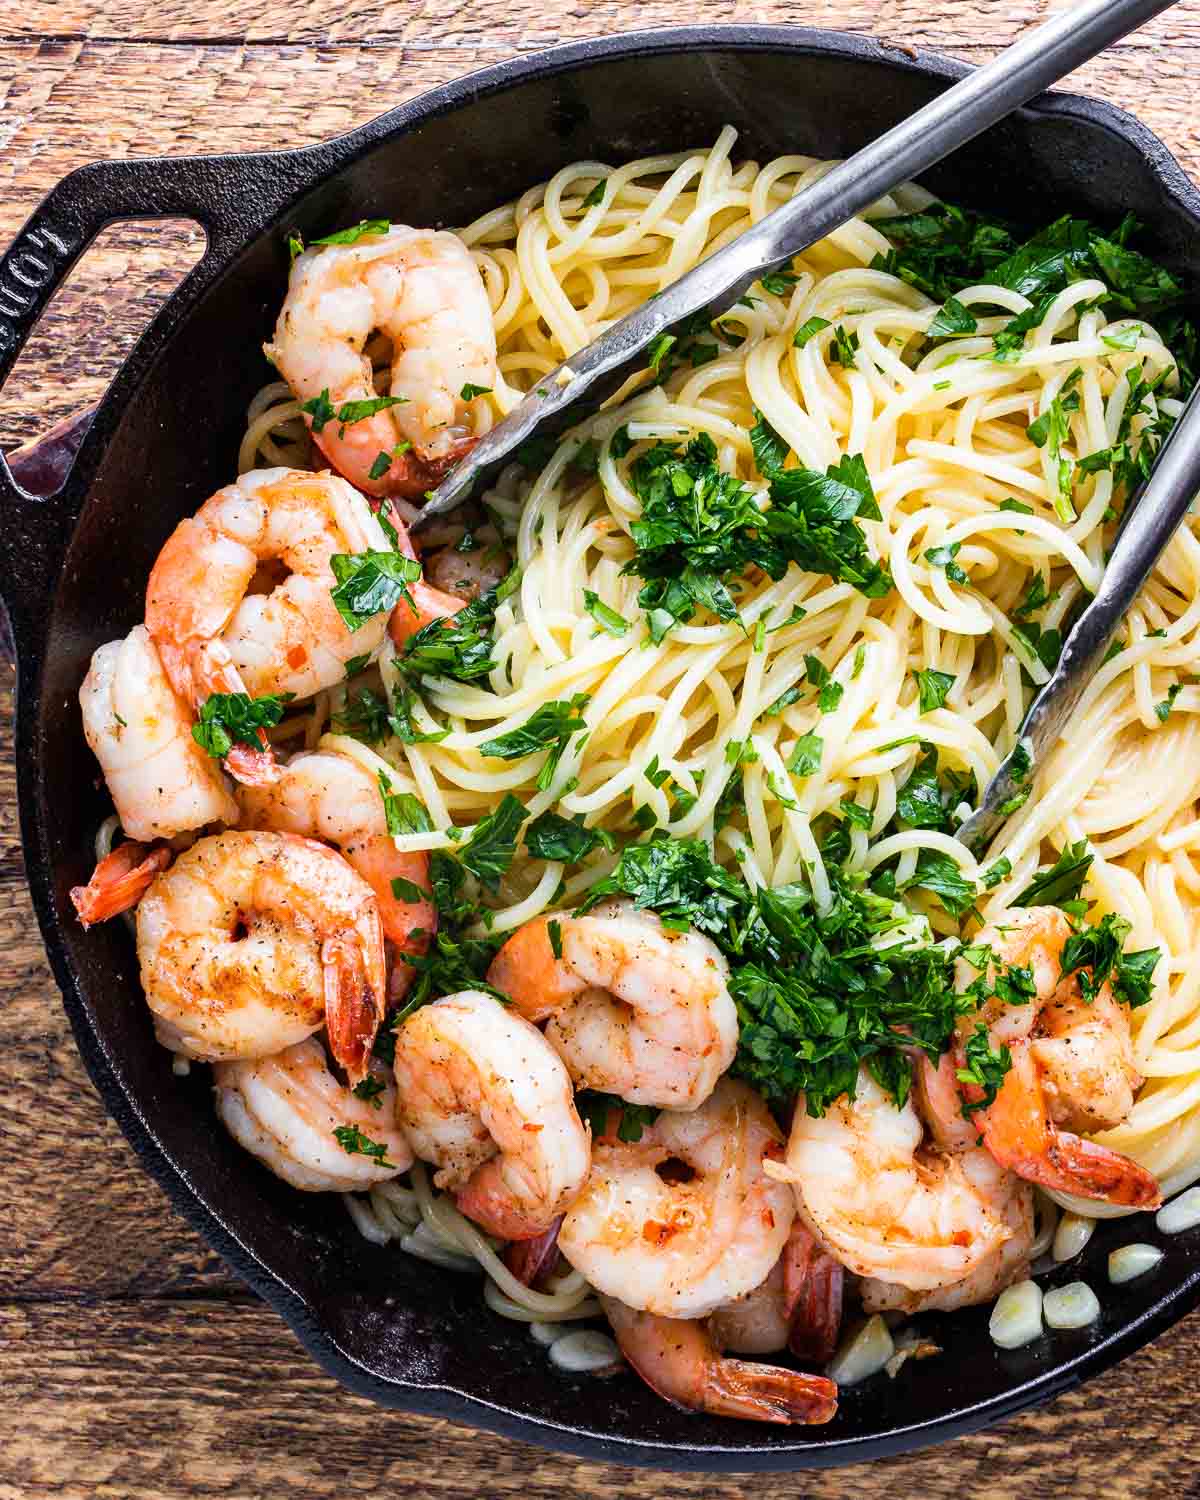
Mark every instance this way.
x=133 y=1364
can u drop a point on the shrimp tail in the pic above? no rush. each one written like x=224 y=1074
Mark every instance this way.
x=533 y=1261
x=353 y=999
x=119 y=881
x=252 y=766
x=1071 y=1164
x=813 y=1288
x=677 y=1358
x=1020 y=1135
x=768 y=1393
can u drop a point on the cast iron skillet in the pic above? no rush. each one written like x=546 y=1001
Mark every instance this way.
x=74 y=573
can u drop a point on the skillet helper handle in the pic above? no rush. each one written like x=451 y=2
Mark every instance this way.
x=231 y=197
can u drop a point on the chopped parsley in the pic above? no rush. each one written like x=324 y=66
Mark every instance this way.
x=356 y=232
x=607 y=619
x=369 y=1090
x=933 y=688
x=404 y=812
x=1096 y=955
x=459 y=647
x=370 y=583
x=1062 y=882
x=351 y=1139
x=550 y=727
x=943 y=557
x=226 y=719
x=551 y=836
x=322 y=411
x=469 y=391
x=809 y=330
x=952 y=320
x=490 y=849
x=985 y=1066
x=597 y=1111
x=364 y=717
x=805 y=759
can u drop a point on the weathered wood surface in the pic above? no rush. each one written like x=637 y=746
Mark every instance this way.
x=132 y=1363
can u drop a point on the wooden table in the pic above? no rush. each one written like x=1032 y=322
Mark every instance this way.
x=132 y=1363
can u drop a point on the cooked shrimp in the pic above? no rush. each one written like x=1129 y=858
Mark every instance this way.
x=881 y=1203
x=119 y=881
x=161 y=781
x=331 y=797
x=633 y=1009
x=485 y=1098
x=1072 y=1068
x=686 y=1218
x=466 y=575
x=287 y=1110
x=679 y=1359
x=215 y=636
x=421 y=288
x=1011 y=1199
x=252 y=941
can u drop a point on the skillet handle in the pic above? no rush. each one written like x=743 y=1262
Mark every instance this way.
x=232 y=197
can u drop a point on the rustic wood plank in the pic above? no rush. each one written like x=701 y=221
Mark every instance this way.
x=466 y=24
x=173 y=1399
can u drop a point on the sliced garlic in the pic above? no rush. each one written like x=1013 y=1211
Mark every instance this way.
x=1073 y=1306
x=1072 y=1234
x=863 y=1354
x=1017 y=1316
x=1131 y=1261
x=585 y=1352
x=1180 y=1214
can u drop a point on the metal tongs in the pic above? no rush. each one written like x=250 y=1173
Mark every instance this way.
x=583 y=383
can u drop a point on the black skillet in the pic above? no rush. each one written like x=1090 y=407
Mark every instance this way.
x=74 y=571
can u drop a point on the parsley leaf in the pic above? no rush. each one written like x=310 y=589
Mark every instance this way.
x=806 y=757
x=553 y=837
x=601 y=1111
x=490 y=849
x=469 y=391
x=356 y=232
x=607 y=619
x=1062 y=881
x=550 y=727
x=943 y=557
x=933 y=688
x=351 y=1139
x=952 y=320
x=368 y=583
x=809 y=330
x=226 y=719
x=404 y=812
x=986 y=1066
x=459 y=647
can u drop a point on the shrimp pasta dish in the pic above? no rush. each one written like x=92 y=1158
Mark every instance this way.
x=572 y=885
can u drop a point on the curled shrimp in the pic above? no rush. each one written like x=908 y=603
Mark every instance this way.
x=288 y=1110
x=686 y=1218
x=485 y=1098
x=1072 y=1067
x=632 y=1008
x=881 y=1202
x=250 y=942
x=813 y=1293
x=327 y=796
x=680 y=1359
x=1011 y=1200
x=161 y=781
x=215 y=635
x=420 y=288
